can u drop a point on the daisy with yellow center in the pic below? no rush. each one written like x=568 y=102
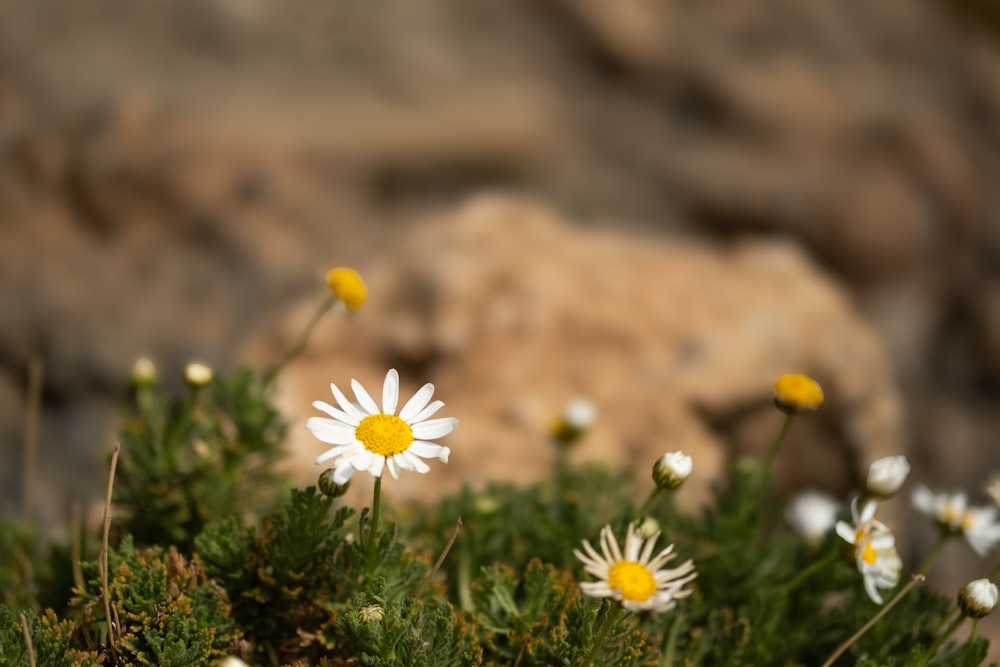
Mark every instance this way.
x=797 y=394
x=634 y=578
x=978 y=525
x=368 y=438
x=874 y=549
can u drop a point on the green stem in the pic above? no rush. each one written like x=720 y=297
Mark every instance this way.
x=813 y=568
x=649 y=501
x=293 y=353
x=373 y=527
x=917 y=578
x=671 y=646
x=773 y=454
x=929 y=559
x=943 y=637
x=610 y=618
x=945 y=618
x=995 y=571
x=975 y=629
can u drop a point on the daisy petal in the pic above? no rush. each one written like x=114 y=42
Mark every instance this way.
x=417 y=403
x=427 y=450
x=390 y=392
x=435 y=428
x=330 y=431
x=364 y=398
x=336 y=413
x=427 y=412
x=346 y=405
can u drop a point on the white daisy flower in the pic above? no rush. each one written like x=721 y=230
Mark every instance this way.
x=367 y=438
x=874 y=549
x=978 y=525
x=633 y=579
x=812 y=514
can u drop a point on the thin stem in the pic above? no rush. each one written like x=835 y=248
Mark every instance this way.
x=813 y=568
x=917 y=578
x=76 y=544
x=300 y=345
x=943 y=637
x=103 y=557
x=995 y=571
x=444 y=554
x=773 y=454
x=373 y=527
x=932 y=555
x=975 y=629
x=602 y=633
x=671 y=645
x=32 y=417
x=945 y=618
x=27 y=641
x=649 y=501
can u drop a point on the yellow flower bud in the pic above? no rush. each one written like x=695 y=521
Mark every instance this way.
x=348 y=286
x=796 y=394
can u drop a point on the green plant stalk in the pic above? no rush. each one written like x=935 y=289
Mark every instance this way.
x=917 y=578
x=812 y=569
x=935 y=551
x=602 y=634
x=765 y=484
x=373 y=528
x=945 y=618
x=975 y=629
x=300 y=345
x=671 y=644
x=943 y=637
x=649 y=501
x=995 y=571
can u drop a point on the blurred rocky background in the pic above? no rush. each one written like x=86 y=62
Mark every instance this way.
x=659 y=204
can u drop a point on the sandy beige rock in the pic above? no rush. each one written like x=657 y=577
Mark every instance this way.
x=511 y=311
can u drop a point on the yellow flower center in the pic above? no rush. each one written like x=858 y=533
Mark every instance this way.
x=384 y=434
x=348 y=286
x=798 y=393
x=957 y=518
x=868 y=554
x=635 y=581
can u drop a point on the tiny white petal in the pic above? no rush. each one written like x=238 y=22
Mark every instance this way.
x=435 y=428
x=390 y=392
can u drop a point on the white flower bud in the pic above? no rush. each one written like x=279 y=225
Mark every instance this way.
x=649 y=528
x=197 y=375
x=812 y=514
x=886 y=476
x=671 y=469
x=372 y=613
x=978 y=598
x=144 y=373
x=231 y=661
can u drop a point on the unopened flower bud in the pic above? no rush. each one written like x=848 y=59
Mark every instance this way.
x=796 y=394
x=231 y=661
x=671 y=469
x=886 y=476
x=812 y=514
x=143 y=373
x=649 y=528
x=978 y=598
x=197 y=375
x=328 y=487
x=348 y=286
x=372 y=613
